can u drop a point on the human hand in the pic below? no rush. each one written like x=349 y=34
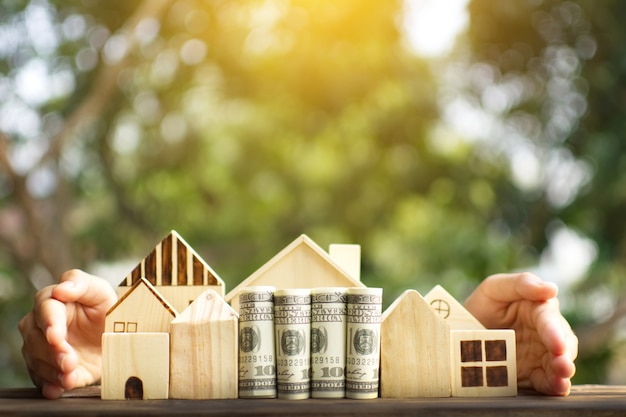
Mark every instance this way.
x=62 y=334
x=546 y=344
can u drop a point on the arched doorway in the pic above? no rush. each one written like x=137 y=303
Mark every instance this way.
x=133 y=389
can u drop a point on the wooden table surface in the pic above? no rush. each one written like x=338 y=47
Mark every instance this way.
x=585 y=400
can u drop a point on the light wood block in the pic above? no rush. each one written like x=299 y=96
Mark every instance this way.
x=135 y=366
x=347 y=257
x=173 y=264
x=142 y=309
x=483 y=363
x=204 y=359
x=415 y=350
x=457 y=316
x=302 y=264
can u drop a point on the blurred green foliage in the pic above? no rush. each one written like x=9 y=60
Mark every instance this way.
x=244 y=124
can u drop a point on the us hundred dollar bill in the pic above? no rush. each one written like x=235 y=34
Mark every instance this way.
x=292 y=327
x=363 y=315
x=328 y=342
x=257 y=357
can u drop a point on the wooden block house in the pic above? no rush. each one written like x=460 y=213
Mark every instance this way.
x=176 y=271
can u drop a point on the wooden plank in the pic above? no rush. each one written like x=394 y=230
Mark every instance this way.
x=596 y=400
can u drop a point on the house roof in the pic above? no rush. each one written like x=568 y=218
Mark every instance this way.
x=144 y=282
x=457 y=316
x=173 y=262
x=208 y=307
x=301 y=264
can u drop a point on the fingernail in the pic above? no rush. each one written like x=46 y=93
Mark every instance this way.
x=62 y=363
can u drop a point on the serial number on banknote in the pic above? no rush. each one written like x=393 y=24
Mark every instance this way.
x=363 y=361
x=292 y=362
x=321 y=360
x=256 y=358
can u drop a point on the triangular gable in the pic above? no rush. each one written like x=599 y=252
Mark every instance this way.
x=457 y=316
x=173 y=263
x=302 y=264
x=208 y=307
x=415 y=350
x=141 y=309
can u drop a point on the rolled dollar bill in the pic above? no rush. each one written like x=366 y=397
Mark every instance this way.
x=363 y=314
x=328 y=342
x=257 y=357
x=292 y=327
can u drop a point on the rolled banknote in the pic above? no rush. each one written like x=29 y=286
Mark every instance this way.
x=328 y=342
x=292 y=327
x=257 y=356
x=363 y=314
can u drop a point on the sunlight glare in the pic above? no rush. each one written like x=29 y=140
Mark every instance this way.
x=431 y=26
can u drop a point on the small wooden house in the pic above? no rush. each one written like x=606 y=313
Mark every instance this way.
x=205 y=350
x=176 y=270
x=136 y=345
x=415 y=350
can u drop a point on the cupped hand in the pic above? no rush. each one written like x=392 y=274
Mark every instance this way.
x=546 y=344
x=62 y=334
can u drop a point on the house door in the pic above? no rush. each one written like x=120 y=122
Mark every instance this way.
x=133 y=389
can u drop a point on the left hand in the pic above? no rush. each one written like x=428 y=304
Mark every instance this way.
x=546 y=344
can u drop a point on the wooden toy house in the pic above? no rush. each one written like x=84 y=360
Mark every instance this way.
x=422 y=356
x=415 y=353
x=302 y=264
x=204 y=350
x=176 y=270
x=136 y=345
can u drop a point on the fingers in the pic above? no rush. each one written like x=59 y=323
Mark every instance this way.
x=83 y=288
x=508 y=288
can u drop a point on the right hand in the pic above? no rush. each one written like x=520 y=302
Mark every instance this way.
x=63 y=333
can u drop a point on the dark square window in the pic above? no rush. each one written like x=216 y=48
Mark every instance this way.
x=471 y=376
x=495 y=350
x=471 y=351
x=497 y=376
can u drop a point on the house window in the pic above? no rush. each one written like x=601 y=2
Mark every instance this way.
x=128 y=327
x=481 y=363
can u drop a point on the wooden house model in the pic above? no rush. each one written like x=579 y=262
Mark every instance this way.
x=303 y=264
x=205 y=350
x=136 y=345
x=176 y=271
x=437 y=349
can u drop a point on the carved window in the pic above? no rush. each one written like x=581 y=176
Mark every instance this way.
x=483 y=363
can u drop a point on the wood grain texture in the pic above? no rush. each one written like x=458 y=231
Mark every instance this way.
x=302 y=264
x=174 y=263
x=141 y=309
x=348 y=257
x=415 y=350
x=204 y=350
x=140 y=357
x=585 y=400
x=483 y=363
x=457 y=317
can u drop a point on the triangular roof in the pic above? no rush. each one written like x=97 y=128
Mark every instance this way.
x=142 y=300
x=173 y=262
x=208 y=307
x=301 y=264
x=457 y=316
x=415 y=350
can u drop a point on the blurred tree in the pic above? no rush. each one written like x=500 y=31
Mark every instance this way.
x=548 y=72
x=243 y=125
